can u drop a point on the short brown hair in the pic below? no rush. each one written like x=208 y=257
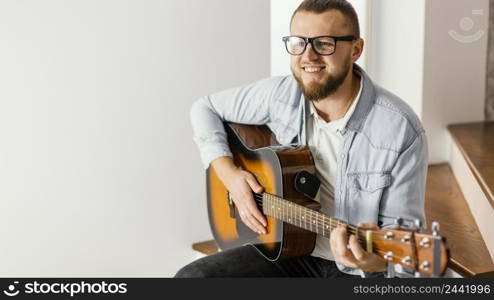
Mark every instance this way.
x=321 y=6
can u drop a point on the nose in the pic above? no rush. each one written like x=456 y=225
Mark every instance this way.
x=309 y=53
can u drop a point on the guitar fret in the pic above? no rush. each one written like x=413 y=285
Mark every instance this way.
x=304 y=219
x=317 y=223
x=281 y=210
x=300 y=219
x=273 y=208
x=290 y=213
x=285 y=209
x=298 y=215
x=324 y=227
x=280 y=214
x=277 y=209
x=314 y=220
x=310 y=220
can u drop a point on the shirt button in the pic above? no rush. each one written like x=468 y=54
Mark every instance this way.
x=343 y=156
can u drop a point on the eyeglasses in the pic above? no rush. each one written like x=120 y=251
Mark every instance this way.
x=322 y=45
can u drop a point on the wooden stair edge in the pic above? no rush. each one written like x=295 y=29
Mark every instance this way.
x=486 y=189
x=208 y=247
x=445 y=203
x=469 y=273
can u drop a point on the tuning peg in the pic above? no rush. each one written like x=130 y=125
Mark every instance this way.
x=399 y=222
x=435 y=228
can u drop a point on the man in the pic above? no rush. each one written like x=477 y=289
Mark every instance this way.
x=369 y=147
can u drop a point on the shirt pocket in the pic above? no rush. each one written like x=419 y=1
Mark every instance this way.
x=370 y=182
x=365 y=192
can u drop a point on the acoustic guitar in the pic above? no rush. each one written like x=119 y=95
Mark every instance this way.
x=287 y=174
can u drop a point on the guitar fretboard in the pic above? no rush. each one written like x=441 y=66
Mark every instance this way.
x=303 y=217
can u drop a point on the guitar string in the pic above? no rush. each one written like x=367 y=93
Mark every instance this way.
x=360 y=238
x=352 y=229
x=375 y=248
x=315 y=214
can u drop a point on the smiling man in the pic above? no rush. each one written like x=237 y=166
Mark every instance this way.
x=369 y=147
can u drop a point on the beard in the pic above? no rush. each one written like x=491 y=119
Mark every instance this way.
x=317 y=91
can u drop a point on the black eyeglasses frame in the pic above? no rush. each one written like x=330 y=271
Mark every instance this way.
x=347 y=38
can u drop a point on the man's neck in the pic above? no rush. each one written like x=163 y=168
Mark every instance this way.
x=335 y=107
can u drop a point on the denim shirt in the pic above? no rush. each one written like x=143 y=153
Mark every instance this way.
x=382 y=167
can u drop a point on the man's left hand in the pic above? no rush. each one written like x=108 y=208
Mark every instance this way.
x=348 y=251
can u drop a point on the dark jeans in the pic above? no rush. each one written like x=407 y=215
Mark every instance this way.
x=246 y=261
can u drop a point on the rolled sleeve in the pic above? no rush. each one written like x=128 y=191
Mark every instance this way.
x=209 y=135
x=249 y=104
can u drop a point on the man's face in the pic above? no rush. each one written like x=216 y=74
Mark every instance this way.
x=320 y=76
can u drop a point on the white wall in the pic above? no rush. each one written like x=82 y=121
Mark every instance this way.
x=414 y=55
x=454 y=68
x=99 y=175
x=281 y=13
x=396 y=48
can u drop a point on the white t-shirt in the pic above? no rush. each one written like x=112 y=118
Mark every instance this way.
x=325 y=141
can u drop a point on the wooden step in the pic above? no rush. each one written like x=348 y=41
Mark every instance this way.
x=206 y=247
x=476 y=142
x=472 y=161
x=445 y=203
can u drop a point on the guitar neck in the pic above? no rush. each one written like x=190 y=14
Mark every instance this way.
x=309 y=219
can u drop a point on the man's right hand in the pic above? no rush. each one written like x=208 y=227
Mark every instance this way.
x=241 y=184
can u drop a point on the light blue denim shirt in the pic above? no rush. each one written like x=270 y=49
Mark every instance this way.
x=382 y=167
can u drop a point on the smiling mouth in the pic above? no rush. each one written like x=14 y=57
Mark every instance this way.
x=313 y=69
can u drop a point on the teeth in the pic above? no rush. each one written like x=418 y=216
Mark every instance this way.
x=312 y=69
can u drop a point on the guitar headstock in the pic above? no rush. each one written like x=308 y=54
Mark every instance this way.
x=425 y=253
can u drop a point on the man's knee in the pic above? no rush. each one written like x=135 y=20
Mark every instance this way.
x=228 y=263
x=191 y=270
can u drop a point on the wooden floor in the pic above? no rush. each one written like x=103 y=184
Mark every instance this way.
x=445 y=203
x=476 y=142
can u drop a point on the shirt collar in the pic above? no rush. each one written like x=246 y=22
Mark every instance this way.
x=366 y=101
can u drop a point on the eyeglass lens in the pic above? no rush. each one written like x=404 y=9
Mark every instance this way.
x=323 y=45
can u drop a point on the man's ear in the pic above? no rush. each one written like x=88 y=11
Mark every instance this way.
x=357 y=49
